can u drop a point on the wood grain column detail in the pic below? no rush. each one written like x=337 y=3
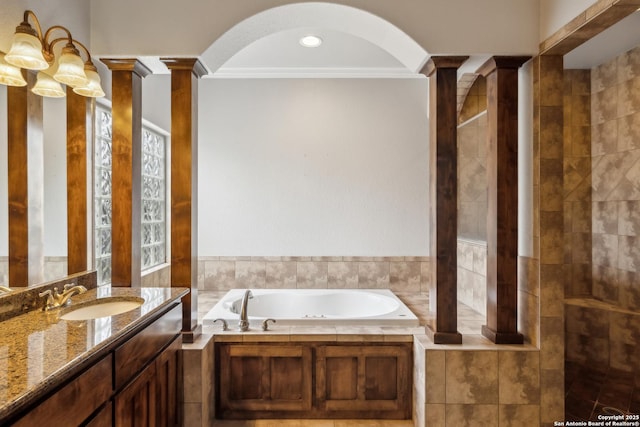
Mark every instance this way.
x=502 y=199
x=126 y=109
x=442 y=324
x=79 y=132
x=25 y=158
x=185 y=73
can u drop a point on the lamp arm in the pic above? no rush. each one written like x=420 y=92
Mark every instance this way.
x=30 y=13
x=89 y=60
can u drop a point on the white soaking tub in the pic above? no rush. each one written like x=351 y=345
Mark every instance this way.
x=307 y=307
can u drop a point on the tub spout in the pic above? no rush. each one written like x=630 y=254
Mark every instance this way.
x=243 y=325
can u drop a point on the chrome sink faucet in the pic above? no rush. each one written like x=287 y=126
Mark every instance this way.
x=243 y=325
x=55 y=299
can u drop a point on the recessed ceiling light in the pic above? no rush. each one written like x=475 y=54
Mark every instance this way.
x=311 y=41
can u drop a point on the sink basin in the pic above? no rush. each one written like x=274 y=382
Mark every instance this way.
x=102 y=307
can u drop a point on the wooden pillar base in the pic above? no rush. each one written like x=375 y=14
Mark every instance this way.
x=502 y=337
x=444 y=337
x=189 y=337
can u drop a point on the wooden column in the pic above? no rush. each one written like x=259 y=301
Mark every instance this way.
x=185 y=73
x=79 y=130
x=502 y=199
x=442 y=324
x=25 y=157
x=126 y=169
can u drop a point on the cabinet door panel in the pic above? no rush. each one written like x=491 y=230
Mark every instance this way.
x=135 y=404
x=264 y=378
x=168 y=375
x=81 y=397
x=342 y=378
x=369 y=381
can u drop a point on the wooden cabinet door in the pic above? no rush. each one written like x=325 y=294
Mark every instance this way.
x=364 y=381
x=135 y=405
x=79 y=398
x=151 y=400
x=259 y=378
x=168 y=375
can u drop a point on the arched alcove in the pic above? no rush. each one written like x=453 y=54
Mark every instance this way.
x=312 y=16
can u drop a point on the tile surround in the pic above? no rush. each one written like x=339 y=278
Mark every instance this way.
x=615 y=91
x=472 y=179
x=403 y=274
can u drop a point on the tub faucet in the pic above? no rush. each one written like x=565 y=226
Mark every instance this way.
x=55 y=299
x=243 y=325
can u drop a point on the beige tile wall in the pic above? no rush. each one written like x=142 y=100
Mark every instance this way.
x=577 y=182
x=55 y=267
x=4 y=271
x=615 y=132
x=602 y=335
x=198 y=394
x=472 y=274
x=159 y=276
x=543 y=294
x=479 y=384
x=472 y=179
x=402 y=274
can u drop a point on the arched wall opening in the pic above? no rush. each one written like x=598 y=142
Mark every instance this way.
x=315 y=181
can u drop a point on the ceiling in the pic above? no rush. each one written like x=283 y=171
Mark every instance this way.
x=341 y=54
x=347 y=54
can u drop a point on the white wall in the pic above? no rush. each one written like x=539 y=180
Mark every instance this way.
x=324 y=167
x=73 y=14
x=55 y=176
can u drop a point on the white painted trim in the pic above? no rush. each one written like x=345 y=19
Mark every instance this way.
x=317 y=73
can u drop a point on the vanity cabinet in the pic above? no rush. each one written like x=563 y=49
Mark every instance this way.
x=314 y=380
x=134 y=384
x=74 y=402
x=151 y=398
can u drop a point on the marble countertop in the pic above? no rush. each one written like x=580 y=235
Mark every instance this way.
x=38 y=350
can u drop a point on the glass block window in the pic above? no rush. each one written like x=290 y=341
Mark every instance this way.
x=154 y=228
x=153 y=203
x=102 y=194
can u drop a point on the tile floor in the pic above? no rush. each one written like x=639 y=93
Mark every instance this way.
x=591 y=391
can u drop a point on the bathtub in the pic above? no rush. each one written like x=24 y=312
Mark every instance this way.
x=306 y=307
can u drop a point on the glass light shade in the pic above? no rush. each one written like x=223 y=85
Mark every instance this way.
x=26 y=52
x=92 y=89
x=9 y=74
x=70 y=69
x=47 y=86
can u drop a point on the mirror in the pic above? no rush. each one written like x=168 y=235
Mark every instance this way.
x=54 y=198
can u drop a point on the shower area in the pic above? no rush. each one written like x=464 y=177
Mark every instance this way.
x=602 y=237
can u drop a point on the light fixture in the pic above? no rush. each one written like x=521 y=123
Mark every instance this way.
x=32 y=50
x=70 y=67
x=47 y=86
x=26 y=49
x=10 y=75
x=310 y=41
x=92 y=89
